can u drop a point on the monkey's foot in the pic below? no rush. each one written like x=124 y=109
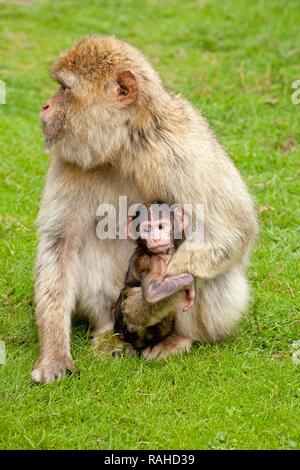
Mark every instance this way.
x=173 y=344
x=128 y=351
x=47 y=370
x=108 y=344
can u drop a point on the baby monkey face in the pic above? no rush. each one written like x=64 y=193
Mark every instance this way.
x=157 y=234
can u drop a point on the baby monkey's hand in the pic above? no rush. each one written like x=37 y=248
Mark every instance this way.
x=190 y=294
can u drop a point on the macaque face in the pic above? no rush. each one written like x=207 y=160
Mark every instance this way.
x=64 y=116
x=157 y=228
x=53 y=117
x=95 y=96
x=157 y=234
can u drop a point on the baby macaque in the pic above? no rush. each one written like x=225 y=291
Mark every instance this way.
x=158 y=233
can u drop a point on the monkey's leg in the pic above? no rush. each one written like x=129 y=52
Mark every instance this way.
x=103 y=329
x=56 y=282
x=139 y=314
x=173 y=344
x=104 y=341
x=109 y=343
x=220 y=303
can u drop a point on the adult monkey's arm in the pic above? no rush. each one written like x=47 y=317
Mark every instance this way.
x=227 y=213
x=187 y=165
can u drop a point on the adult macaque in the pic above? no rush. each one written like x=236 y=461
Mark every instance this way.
x=113 y=129
x=158 y=234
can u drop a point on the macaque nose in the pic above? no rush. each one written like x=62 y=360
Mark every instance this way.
x=156 y=239
x=46 y=106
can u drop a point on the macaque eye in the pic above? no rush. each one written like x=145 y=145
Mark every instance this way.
x=146 y=230
x=163 y=226
x=63 y=86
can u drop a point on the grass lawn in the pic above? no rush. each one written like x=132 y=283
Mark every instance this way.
x=235 y=60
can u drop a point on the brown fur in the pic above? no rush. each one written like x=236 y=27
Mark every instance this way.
x=159 y=147
x=137 y=325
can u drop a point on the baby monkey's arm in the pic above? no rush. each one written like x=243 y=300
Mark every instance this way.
x=156 y=288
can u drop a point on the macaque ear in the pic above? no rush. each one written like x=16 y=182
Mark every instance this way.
x=131 y=229
x=182 y=219
x=127 y=88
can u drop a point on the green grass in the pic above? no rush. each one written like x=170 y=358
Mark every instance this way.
x=235 y=60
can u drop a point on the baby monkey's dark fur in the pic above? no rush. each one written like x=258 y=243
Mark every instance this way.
x=169 y=292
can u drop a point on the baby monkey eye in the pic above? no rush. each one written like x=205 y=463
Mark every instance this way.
x=163 y=226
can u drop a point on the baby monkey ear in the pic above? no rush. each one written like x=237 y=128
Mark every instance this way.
x=127 y=88
x=181 y=222
x=131 y=229
x=181 y=218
